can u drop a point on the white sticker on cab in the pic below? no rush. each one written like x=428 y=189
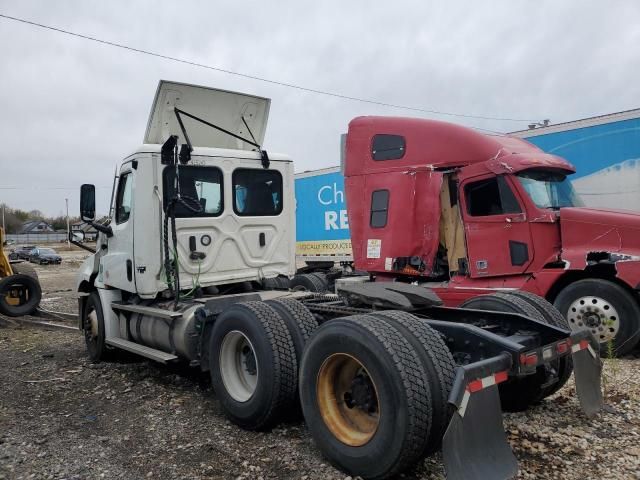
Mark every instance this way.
x=373 y=248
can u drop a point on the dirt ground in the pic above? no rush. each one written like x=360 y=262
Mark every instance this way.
x=62 y=417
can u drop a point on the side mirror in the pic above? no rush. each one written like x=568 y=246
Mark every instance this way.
x=88 y=202
x=77 y=235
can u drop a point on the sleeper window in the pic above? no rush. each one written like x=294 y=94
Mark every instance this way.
x=200 y=188
x=387 y=147
x=379 y=208
x=257 y=192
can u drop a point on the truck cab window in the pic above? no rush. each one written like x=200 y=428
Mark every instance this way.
x=123 y=199
x=257 y=192
x=492 y=196
x=200 y=187
x=379 y=208
x=549 y=189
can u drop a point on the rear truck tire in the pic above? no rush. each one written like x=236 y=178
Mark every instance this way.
x=282 y=283
x=299 y=320
x=322 y=278
x=277 y=283
x=253 y=365
x=25 y=269
x=516 y=394
x=21 y=289
x=437 y=364
x=607 y=309
x=307 y=282
x=564 y=365
x=364 y=397
x=269 y=284
x=301 y=324
x=93 y=329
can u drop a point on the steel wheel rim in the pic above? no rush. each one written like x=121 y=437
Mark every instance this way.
x=238 y=366
x=350 y=420
x=595 y=314
x=91 y=326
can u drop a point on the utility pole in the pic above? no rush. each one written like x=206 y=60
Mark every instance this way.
x=66 y=200
x=3 y=227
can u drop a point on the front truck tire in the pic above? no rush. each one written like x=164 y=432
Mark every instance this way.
x=253 y=365
x=516 y=394
x=93 y=329
x=438 y=365
x=607 y=309
x=364 y=396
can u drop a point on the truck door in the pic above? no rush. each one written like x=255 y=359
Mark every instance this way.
x=116 y=267
x=496 y=228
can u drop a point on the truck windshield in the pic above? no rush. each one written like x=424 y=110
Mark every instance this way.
x=549 y=189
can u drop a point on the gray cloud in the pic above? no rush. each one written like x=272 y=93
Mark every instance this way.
x=72 y=108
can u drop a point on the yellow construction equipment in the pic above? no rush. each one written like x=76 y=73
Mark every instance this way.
x=20 y=291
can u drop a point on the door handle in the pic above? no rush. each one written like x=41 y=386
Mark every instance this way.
x=516 y=218
x=129 y=270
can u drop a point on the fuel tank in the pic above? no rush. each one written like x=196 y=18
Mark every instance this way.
x=173 y=335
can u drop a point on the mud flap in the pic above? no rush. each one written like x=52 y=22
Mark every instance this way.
x=475 y=444
x=587 y=368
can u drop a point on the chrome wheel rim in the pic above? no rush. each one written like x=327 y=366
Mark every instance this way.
x=238 y=366
x=595 y=314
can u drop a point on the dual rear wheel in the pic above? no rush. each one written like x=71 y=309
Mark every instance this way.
x=370 y=386
x=375 y=386
x=254 y=352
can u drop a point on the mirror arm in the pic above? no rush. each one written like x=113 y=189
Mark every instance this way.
x=78 y=244
x=106 y=229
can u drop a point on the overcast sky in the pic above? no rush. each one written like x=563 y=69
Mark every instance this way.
x=71 y=108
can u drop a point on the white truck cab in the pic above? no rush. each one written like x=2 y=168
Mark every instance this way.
x=236 y=219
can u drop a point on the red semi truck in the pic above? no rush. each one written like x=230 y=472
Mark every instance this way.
x=467 y=213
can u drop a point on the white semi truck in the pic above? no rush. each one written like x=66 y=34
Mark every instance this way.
x=201 y=216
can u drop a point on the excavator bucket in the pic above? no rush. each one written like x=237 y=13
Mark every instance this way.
x=475 y=445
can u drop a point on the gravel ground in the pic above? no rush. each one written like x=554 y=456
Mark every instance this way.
x=64 y=418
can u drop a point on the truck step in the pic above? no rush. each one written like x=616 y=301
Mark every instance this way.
x=151 y=311
x=151 y=353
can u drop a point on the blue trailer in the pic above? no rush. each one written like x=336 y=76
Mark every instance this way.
x=605 y=151
x=322 y=226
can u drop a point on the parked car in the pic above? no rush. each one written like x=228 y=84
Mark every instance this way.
x=24 y=251
x=13 y=255
x=45 y=256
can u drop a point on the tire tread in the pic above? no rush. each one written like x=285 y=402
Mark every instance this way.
x=443 y=364
x=407 y=364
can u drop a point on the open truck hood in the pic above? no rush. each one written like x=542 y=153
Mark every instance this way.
x=219 y=107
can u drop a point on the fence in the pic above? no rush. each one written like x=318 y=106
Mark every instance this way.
x=36 y=238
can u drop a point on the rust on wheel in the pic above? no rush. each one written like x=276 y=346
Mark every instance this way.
x=348 y=400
